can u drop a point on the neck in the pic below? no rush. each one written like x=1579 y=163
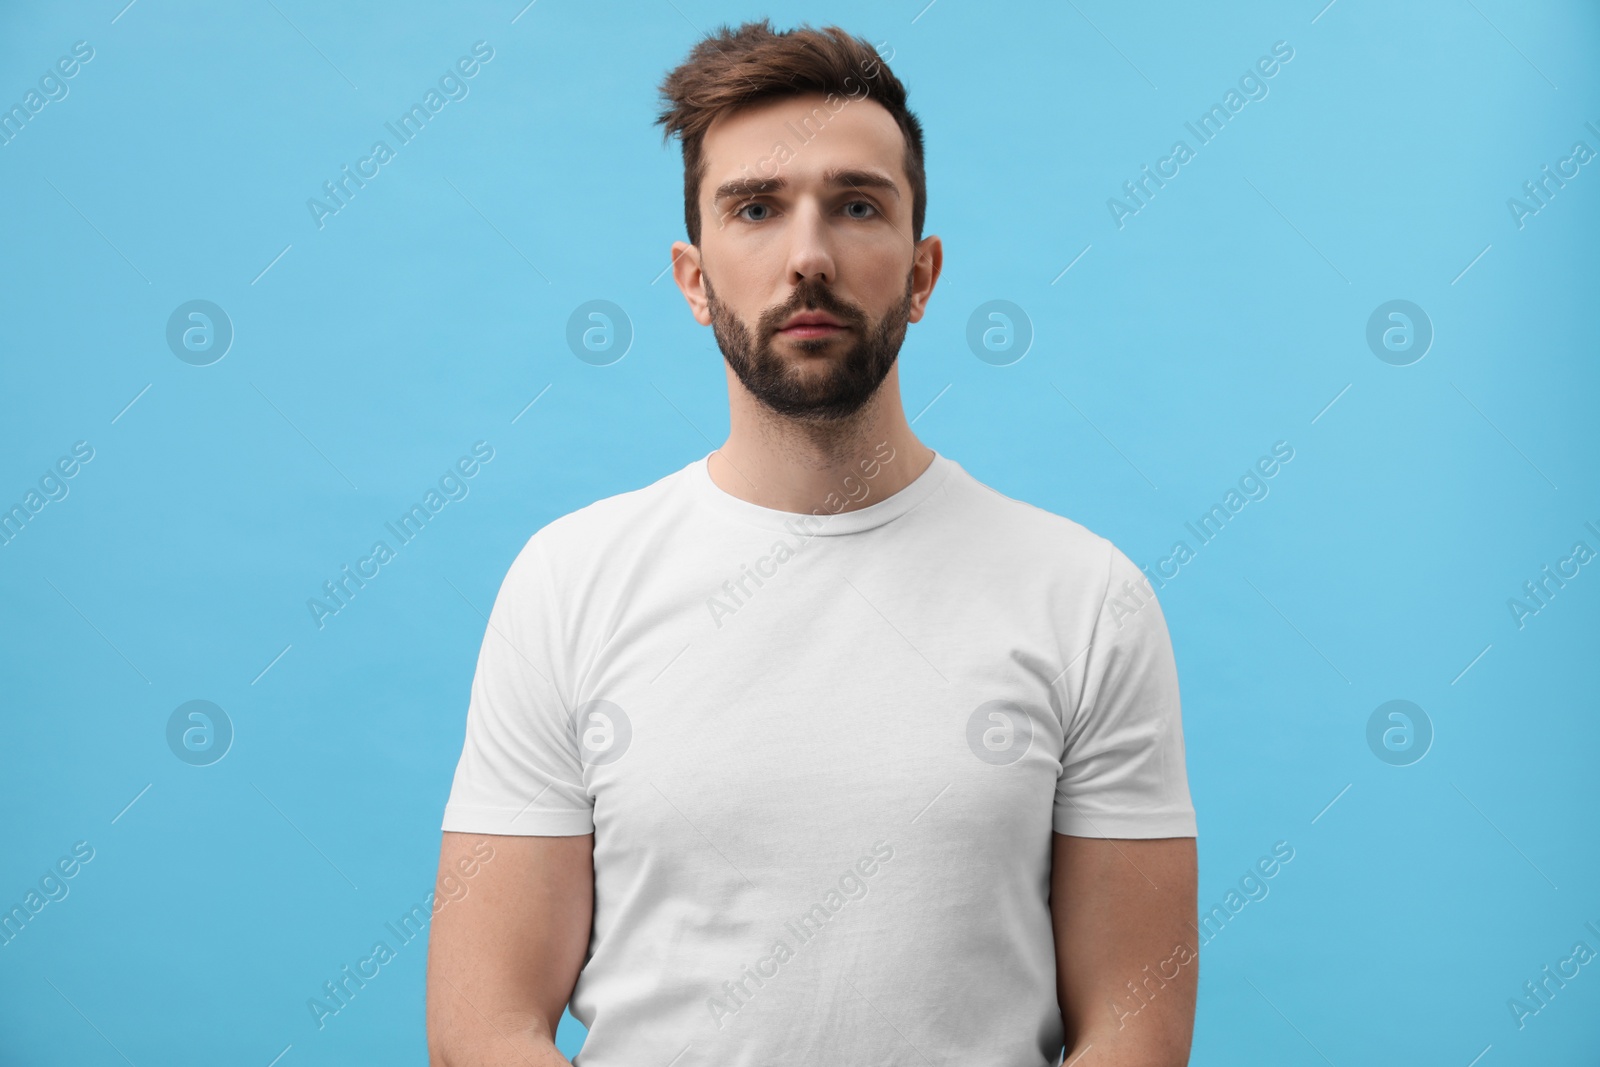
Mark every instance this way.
x=832 y=467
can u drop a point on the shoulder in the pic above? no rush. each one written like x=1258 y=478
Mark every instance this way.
x=601 y=530
x=1039 y=537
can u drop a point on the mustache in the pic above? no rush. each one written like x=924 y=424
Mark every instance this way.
x=813 y=298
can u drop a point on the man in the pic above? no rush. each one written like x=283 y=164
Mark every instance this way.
x=817 y=750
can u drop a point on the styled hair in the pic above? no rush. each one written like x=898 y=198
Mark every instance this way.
x=729 y=70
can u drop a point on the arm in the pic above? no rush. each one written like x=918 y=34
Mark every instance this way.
x=504 y=957
x=1123 y=911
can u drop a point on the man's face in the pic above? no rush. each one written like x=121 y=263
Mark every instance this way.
x=834 y=238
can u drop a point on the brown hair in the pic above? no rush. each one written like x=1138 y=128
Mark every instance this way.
x=733 y=69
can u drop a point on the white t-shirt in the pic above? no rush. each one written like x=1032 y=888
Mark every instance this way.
x=822 y=757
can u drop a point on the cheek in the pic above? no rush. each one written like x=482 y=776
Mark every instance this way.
x=890 y=281
x=738 y=309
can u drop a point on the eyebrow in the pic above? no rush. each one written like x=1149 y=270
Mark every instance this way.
x=835 y=178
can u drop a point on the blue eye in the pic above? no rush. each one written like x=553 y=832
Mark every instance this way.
x=738 y=212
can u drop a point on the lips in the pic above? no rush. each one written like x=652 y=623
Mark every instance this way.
x=811 y=324
x=811 y=318
x=801 y=333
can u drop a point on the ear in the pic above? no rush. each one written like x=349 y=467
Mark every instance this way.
x=925 y=274
x=691 y=281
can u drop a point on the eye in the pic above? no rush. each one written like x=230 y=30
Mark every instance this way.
x=738 y=212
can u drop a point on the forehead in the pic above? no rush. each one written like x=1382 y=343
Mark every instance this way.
x=800 y=137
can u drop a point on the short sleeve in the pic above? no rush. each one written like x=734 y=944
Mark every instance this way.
x=1123 y=772
x=519 y=770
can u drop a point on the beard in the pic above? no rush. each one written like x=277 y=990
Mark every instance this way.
x=831 y=386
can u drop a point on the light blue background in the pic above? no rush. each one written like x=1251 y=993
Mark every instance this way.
x=1228 y=314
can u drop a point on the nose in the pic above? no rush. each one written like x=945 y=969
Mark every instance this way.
x=810 y=249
